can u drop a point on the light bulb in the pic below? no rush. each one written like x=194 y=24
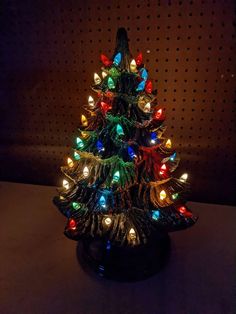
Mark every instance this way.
x=182 y=209
x=133 y=66
x=116 y=176
x=131 y=153
x=66 y=184
x=110 y=83
x=104 y=74
x=162 y=195
x=158 y=114
x=155 y=214
x=76 y=156
x=91 y=102
x=148 y=86
x=147 y=107
x=175 y=196
x=132 y=234
x=100 y=146
x=140 y=86
x=139 y=59
x=97 y=79
x=79 y=142
x=163 y=169
x=84 y=120
x=106 y=61
x=76 y=205
x=144 y=74
x=70 y=162
x=153 y=137
x=172 y=157
x=117 y=58
x=168 y=143
x=102 y=201
x=86 y=171
x=107 y=221
x=184 y=177
x=72 y=224
x=119 y=130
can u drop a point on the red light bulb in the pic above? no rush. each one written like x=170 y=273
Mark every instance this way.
x=72 y=224
x=139 y=59
x=105 y=60
x=163 y=169
x=105 y=107
x=158 y=115
x=182 y=210
x=148 y=86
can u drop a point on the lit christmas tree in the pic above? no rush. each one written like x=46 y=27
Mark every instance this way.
x=119 y=184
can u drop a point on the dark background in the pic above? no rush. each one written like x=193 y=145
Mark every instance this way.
x=50 y=50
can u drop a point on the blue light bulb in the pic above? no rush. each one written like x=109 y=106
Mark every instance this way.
x=117 y=59
x=102 y=201
x=141 y=86
x=100 y=146
x=155 y=214
x=131 y=152
x=153 y=137
x=172 y=157
x=144 y=74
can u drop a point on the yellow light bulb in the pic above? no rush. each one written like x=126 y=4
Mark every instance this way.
x=168 y=143
x=147 y=107
x=86 y=171
x=162 y=195
x=97 y=79
x=184 y=177
x=70 y=162
x=132 y=234
x=65 y=184
x=84 y=120
x=91 y=102
x=107 y=221
x=133 y=66
x=104 y=74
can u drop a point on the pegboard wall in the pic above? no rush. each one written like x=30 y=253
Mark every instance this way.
x=50 y=50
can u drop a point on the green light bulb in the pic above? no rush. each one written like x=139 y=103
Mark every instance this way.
x=79 y=142
x=110 y=83
x=119 y=130
x=76 y=156
x=76 y=205
x=175 y=196
x=116 y=176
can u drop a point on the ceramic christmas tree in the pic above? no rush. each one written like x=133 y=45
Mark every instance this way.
x=119 y=191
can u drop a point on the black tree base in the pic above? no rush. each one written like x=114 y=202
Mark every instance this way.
x=124 y=264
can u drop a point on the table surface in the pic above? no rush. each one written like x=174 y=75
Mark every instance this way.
x=39 y=271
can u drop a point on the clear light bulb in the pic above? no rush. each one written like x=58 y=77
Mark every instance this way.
x=107 y=221
x=66 y=184
x=104 y=74
x=147 y=107
x=184 y=177
x=132 y=234
x=97 y=79
x=86 y=171
x=91 y=102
